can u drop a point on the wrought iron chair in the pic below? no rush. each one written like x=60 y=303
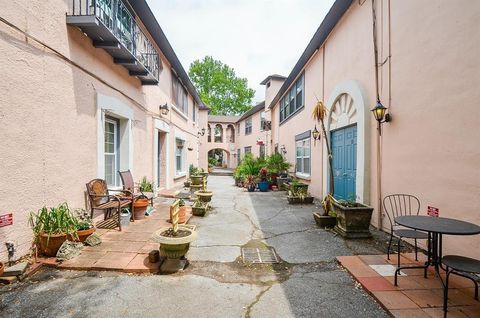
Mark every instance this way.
x=101 y=199
x=401 y=205
x=129 y=185
x=461 y=266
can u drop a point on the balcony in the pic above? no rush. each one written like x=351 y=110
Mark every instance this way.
x=112 y=27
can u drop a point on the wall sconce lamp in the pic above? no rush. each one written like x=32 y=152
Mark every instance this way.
x=283 y=150
x=381 y=116
x=163 y=109
x=202 y=132
x=316 y=135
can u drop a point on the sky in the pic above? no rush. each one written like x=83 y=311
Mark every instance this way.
x=255 y=38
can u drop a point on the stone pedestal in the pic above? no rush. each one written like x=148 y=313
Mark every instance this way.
x=170 y=265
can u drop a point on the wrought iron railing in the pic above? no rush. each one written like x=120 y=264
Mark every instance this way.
x=117 y=18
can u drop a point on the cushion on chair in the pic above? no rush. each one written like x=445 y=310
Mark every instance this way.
x=410 y=234
x=462 y=263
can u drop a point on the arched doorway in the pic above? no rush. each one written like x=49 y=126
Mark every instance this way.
x=220 y=157
x=348 y=133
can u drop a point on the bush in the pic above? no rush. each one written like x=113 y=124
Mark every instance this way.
x=277 y=164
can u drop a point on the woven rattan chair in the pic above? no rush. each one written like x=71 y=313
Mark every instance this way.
x=101 y=199
x=128 y=184
x=400 y=205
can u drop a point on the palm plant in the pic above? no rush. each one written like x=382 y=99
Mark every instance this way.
x=277 y=164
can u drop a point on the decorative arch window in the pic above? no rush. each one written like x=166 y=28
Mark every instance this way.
x=209 y=133
x=218 y=133
x=230 y=133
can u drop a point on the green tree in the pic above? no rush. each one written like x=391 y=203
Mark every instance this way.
x=220 y=88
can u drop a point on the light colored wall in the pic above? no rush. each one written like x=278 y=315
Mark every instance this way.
x=49 y=116
x=243 y=140
x=430 y=148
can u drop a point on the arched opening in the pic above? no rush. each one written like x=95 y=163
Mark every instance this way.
x=209 y=133
x=219 y=158
x=218 y=133
x=230 y=133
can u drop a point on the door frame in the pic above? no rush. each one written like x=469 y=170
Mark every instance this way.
x=355 y=91
x=331 y=147
x=161 y=127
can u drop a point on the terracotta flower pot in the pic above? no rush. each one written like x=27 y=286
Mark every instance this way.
x=82 y=235
x=181 y=214
x=139 y=208
x=50 y=247
x=2 y=268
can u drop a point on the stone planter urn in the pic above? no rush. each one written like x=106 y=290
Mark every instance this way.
x=204 y=196
x=199 y=208
x=173 y=247
x=353 y=221
x=197 y=180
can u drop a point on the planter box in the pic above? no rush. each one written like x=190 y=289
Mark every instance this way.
x=353 y=222
x=325 y=221
x=200 y=210
x=299 y=200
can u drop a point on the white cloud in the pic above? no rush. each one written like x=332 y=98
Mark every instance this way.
x=256 y=38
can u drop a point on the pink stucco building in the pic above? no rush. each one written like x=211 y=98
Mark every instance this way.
x=81 y=90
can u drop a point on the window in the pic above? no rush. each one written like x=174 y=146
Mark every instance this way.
x=239 y=156
x=302 y=150
x=262 y=120
x=194 y=112
x=248 y=126
x=248 y=150
x=262 y=151
x=112 y=157
x=179 y=95
x=293 y=100
x=179 y=156
x=218 y=133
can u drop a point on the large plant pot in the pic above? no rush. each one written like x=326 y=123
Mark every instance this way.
x=204 y=196
x=182 y=212
x=204 y=174
x=324 y=221
x=299 y=200
x=82 y=235
x=174 y=247
x=263 y=186
x=251 y=188
x=2 y=268
x=139 y=208
x=50 y=247
x=299 y=186
x=197 y=180
x=353 y=222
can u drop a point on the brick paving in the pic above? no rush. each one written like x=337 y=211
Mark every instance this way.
x=125 y=250
x=415 y=296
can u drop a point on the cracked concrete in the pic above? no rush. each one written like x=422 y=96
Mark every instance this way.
x=307 y=283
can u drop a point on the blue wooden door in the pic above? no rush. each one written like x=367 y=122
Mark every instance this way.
x=344 y=153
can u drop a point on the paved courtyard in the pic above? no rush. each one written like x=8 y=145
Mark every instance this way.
x=307 y=283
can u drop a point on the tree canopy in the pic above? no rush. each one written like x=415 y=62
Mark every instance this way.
x=219 y=87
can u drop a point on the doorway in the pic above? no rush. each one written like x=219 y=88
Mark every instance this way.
x=344 y=153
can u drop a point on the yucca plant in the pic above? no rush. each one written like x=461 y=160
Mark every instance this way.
x=319 y=114
x=145 y=185
x=51 y=221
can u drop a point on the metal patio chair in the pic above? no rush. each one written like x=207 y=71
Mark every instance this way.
x=101 y=199
x=396 y=205
x=129 y=185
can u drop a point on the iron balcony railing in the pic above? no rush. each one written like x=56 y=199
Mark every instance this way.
x=116 y=17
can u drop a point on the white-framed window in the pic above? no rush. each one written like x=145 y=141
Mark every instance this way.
x=248 y=149
x=293 y=100
x=262 y=120
x=111 y=150
x=248 y=126
x=261 y=151
x=179 y=95
x=302 y=154
x=179 y=156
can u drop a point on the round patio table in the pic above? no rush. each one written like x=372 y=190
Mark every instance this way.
x=435 y=227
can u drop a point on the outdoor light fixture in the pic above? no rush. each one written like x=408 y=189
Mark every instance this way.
x=202 y=132
x=379 y=112
x=163 y=109
x=316 y=134
x=283 y=149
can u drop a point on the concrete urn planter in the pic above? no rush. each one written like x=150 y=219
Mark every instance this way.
x=204 y=196
x=174 y=248
x=353 y=222
x=197 y=180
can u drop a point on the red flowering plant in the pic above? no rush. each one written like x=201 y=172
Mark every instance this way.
x=263 y=174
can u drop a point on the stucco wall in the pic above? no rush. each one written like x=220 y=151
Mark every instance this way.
x=48 y=115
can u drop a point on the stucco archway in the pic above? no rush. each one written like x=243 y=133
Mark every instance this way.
x=226 y=158
x=347 y=105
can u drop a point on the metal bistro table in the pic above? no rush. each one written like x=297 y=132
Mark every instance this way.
x=436 y=227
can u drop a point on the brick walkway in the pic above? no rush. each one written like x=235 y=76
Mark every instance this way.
x=125 y=251
x=415 y=296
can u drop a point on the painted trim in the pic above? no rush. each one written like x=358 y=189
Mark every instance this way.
x=360 y=102
x=107 y=105
x=161 y=126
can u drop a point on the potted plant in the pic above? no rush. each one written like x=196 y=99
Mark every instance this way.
x=204 y=195
x=296 y=186
x=140 y=205
x=187 y=183
x=2 y=268
x=199 y=208
x=51 y=226
x=182 y=211
x=238 y=177
x=299 y=196
x=263 y=183
x=276 y=165
x=145 y=185
x=250 y=183
x=353 y=218
x=84 y=226
x=327 y=219
x=212 y=162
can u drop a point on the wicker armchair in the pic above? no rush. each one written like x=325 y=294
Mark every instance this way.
x=101 y=199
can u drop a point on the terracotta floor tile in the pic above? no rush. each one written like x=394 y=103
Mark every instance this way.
x=403 y=260
x=373 y=259
x=460 y=282
x=405 y=282
x=79 y=263
x=431 y=282
x=438 y=313
x=394 y=300
x=376 y=283
x=458 y=298
x=470 y=311
x=408 y=313
x=362 y=271
x=91 y=254
x=470 y=292
x=148 y=247
x=114 y=260
x=425 y=298
x=411 y=256
x=347 y=261
x=141 y=264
